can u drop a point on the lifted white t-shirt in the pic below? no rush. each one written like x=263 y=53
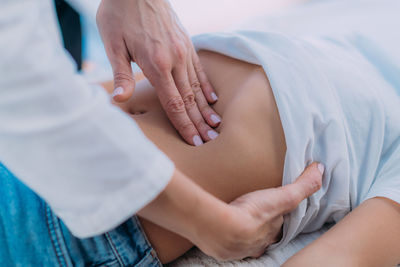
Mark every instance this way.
x=334 y=69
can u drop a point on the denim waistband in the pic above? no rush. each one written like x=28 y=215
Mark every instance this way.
x=32 y=235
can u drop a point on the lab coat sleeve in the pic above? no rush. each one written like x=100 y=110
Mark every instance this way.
x=61 y=137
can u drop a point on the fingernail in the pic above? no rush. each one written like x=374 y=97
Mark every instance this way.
x=215 y=118
x=197 y=140
x=214 y=96
x=118 y=91
x=212 y=134
x=321 y=168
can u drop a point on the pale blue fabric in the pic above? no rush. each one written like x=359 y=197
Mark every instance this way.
x=334 y=68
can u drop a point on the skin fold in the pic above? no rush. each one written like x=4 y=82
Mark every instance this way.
x=248 y=155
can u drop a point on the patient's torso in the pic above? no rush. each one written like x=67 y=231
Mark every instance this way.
x=249 y=152
x=338 y=101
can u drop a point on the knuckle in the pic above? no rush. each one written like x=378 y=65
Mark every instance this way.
x=122 y=77
x=186 y=127
x=180 y=51
x=175 y=105
x=315 y=185
x=196 y=87
x=205 y=109
x=198 y=67
x=116 y=51
x=161 y=62
x=189 y=100
x=202 y=126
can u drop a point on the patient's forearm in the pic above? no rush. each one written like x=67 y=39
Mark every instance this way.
x=368 y=236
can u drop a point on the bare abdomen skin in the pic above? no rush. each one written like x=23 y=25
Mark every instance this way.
x=248 y=154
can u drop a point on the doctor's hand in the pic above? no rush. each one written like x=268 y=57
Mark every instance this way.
x=149 y=33
x=257 y=218
x=243 y=228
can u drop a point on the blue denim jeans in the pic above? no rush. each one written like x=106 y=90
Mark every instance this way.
x=31 y=235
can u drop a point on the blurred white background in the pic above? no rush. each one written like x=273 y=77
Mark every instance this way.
x=216 y=15
x=196 y=16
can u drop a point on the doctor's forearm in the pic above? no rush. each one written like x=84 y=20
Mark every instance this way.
x=186 y=209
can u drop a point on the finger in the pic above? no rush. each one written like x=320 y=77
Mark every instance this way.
x=174 y=106
x=206 y=111
x=309 y=182
x=124 y=82
x=206 y=86
x=181 y=79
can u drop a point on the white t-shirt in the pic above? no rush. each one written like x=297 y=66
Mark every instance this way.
x=61 y=136
x=334 y=69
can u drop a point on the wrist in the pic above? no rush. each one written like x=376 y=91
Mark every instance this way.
x=211 y=219
x=187 y=209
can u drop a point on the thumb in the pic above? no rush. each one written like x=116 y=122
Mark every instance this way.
x=124 y=82
x=309 y=182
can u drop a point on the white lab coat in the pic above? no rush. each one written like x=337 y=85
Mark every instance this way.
x=61 y=136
